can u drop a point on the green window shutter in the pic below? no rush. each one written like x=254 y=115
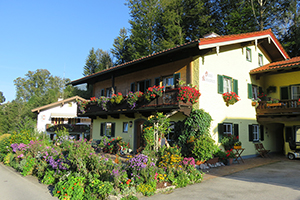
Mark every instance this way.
x=102 y=125
x=132 y=87
x=289 y=134
x=157 y=81
x=261 y=132
x=250 y=132
x=113 y=125
x=284 y=93
x=235 y=86
x=176 y=78
x=147 y=84
x=220 y=84
x=220 y=131
x=250 y=92
x=102 y=92
x=236 y=130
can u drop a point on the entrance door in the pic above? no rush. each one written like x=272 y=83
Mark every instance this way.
x=139 y=132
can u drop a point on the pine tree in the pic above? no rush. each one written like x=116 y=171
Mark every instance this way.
x=91 y=63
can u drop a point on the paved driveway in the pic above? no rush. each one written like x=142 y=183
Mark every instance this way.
x=14 y=186
x=280 y=180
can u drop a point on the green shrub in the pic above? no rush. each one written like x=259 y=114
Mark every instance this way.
x=147 y=189
x=48 y=178
x=203 y=148
x=30 y=163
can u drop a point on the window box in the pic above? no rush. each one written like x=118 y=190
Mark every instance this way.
x=237 y=147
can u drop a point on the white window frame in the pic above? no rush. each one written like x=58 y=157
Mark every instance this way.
x=227 y=84
x=125 y=127
x=227 y=128
x=168 y=81
x=295 y=91
x=106 y=130
x=255 y=132
x=248 y=54
x=260 y=60
x=254 y=91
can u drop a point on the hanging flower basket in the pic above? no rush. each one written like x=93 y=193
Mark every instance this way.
x=230 y=98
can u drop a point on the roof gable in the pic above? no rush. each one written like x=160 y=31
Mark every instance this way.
x=71 y=99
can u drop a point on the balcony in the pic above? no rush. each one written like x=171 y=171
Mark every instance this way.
x=165 y=103
x=284 y=110
x=71 y=128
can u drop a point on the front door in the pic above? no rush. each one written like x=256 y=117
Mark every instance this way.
x=139 y=132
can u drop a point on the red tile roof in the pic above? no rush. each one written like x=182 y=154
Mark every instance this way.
x=201 y=41
x=225 y=38
x=277 y=65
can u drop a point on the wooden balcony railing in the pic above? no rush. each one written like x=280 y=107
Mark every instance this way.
x=69 y=127
x=283 y=107
x=167 y=102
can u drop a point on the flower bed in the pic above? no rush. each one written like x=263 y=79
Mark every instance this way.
x=77 y=172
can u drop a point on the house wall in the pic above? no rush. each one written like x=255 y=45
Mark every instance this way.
x=122 y=83
x=44 y=117
x=231 y=61
x=279 y=80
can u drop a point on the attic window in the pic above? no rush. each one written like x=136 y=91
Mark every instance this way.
x=260 y=59
x=248 y=54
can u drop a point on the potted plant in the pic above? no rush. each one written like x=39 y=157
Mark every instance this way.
x=237 y=145
x=221 y=155
x=230 y=98
x=229 y=140
x=230 y=155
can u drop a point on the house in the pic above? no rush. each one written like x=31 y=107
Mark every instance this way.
x=280 y=112
x=216 y=65
x=63 y=113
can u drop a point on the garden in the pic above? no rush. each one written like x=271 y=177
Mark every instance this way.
x=77 y=170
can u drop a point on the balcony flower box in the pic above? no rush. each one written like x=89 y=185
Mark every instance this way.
x=273 y=104
x=237 y=147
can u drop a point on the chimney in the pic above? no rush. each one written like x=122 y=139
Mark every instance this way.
x=212 y=34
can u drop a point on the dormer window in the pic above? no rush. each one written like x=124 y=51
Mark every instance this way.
x=260 y=59
x=248 y=54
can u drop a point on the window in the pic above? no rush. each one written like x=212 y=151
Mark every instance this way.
x=248 y=54
x=260 y=59
x=256 y=132
x=125 y=127
x=295 y=91
x=168 y=81
x=108 y=92
x=227 y=129
x=102 y=93
x=107 y=129
x=227 y=84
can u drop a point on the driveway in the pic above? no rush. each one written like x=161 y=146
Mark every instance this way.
x=14 y=186
x=279 y=180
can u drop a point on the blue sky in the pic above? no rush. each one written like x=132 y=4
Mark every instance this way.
x=56 y=35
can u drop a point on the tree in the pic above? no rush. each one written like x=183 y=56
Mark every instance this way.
x=122 y=48
x=97 y=61
x=2 y=98
x=91 y=63
x=103 y=59
x=145 y=17
x=291 y=25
